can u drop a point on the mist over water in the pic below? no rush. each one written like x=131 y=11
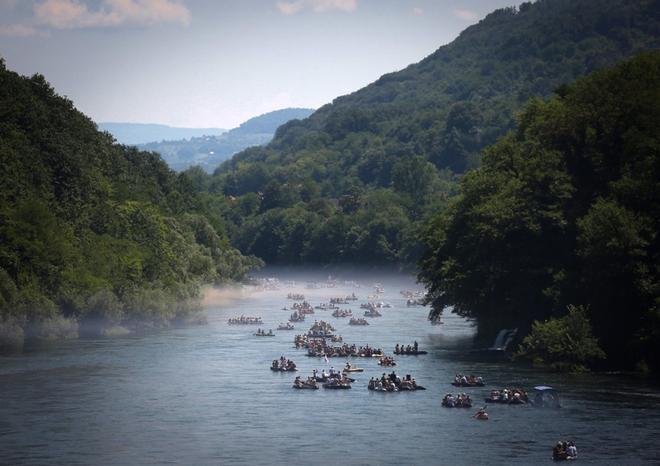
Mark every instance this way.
x=205 y=395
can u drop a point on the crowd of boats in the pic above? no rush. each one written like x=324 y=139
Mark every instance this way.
x=319 y=339
x=320 y=336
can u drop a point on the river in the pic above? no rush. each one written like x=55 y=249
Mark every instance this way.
x=204 y=395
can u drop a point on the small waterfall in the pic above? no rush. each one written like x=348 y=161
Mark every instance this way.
x=503 y=339
x=499 y=340
x=509 y=338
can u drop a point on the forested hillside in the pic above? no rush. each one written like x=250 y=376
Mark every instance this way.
x=91 y=230
x=353 y=182
x=564 y=211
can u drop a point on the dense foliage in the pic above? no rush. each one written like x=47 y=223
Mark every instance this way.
x=564 y=210
x=92 y=230
x=565 y=343
x=355 y=180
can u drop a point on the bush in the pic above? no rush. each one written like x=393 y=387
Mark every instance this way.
x=104 y=306
x=566 y=343
x=55 y=328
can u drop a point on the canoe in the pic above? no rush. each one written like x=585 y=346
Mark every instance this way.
x=411 y=353
x=281 y=369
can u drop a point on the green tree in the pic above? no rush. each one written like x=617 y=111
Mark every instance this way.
x=564 y=343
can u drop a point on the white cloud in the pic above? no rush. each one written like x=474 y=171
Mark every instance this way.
x=465 y=15
x=73 y=14
x=417 y=11
x=318 y=6
x=19 y=30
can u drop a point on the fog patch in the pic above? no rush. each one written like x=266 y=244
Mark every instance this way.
x=218 y=296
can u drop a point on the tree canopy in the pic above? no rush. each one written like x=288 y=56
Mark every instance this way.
x=564 y=210
x=93 y=230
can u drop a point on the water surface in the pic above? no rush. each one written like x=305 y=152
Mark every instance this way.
x=204 y=395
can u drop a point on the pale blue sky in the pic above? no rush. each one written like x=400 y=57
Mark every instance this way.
x=216 y=63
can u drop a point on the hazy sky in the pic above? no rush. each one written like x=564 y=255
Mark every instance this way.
x=215 y=63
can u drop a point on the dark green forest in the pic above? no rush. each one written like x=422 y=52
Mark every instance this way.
x=565 y=210
x=92 y=231
x=357 y=180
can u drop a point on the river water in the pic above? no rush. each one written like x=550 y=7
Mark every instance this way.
x=205 y=395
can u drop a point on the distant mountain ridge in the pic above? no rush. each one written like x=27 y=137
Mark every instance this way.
x=209 y=151
x=269 y=122
x=132 y=134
